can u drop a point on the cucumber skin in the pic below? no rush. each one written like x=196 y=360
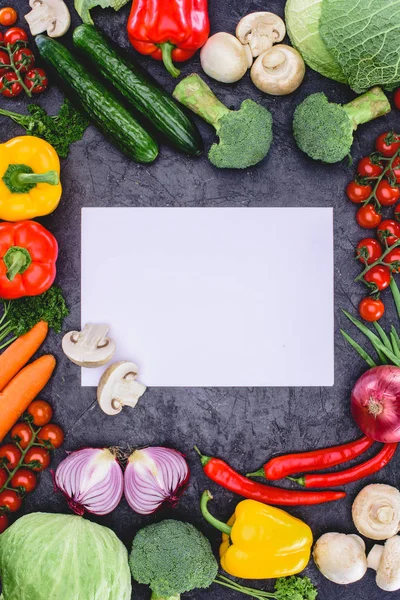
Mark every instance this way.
x=140 y=90
x=109 y=115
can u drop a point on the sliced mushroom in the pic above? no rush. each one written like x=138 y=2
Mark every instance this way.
x=51 y=16
x=376 y=511
x=224 y=58
x=386 y=562
x=90 y=347
x=278 y=71
x=340 y=557
x=118 y=387
x=260 y=30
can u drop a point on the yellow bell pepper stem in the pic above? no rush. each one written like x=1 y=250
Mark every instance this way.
x=20 y=178
x=205 y=499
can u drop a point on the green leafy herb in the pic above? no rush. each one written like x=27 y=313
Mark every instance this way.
x=286 y=588
x=83 y=7
x=60 y=130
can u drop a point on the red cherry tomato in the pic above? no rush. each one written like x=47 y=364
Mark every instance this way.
x=371 y=310
x=368 y=217
x=392 y=258
x=1 y=37
x=24 y=478
x=368 y=250
x=14 y=35
x=39 y=455
x=392 y=227
x=368 y=168
x=397 y=212
x=11 y=500
x=9 y=85
x=8 y=16
x=396 y=98
x=388 y=143
x=395 y=170
x=22 y=433
x=24 y=59
x=357 y=193
x=3 y=522
x=11 y=455
x=3 y=477
x=41 y=412
x=36 y=81
x=4 y=60
x=379 y=275
x=54 y=434
x=386 y=194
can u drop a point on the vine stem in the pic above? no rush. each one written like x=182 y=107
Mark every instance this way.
x=388 y=167
x=17 y=71
x=380 y=261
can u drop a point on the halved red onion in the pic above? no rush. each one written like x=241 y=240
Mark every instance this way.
x=153 y=477
x=91 y=479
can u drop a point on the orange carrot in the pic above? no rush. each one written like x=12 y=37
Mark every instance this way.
x=19 y=393
x=17 y=355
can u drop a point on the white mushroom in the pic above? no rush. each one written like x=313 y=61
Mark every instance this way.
x=376 y=511
x=118 y=387
x=340 y=557
x=90 y=347
x=260 y=30
x=278 y=71
x=386 y=562
x=51 y=16
x=224 y=58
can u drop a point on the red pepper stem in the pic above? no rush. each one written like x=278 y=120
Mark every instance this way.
x=259 y=473
x=299 y=480
x=17 y=260
x=166 y=49
x=205 y=498
x=204 y=459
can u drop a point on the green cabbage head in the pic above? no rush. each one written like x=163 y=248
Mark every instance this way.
x=62 y=557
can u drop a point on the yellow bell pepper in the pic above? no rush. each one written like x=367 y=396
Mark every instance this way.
x=261 y=541
x=29 y=178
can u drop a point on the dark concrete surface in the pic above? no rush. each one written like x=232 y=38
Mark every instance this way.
x=248 y=425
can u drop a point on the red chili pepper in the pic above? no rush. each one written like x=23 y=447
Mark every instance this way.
x=289 y=464
x=168 y=29
x=220 y=472
x=28 y=254
x=369 y=467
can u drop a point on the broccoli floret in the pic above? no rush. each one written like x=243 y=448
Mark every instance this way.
x=172 y=558
x=245 y=135
x=324 y=130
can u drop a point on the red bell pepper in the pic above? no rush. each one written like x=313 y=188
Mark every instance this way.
x=28 y=254
x=169 y=29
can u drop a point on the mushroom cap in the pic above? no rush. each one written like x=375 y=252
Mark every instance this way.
x=340 y=557
x=386 y=560
x=376 y=511
x=51 y=16
x=118 y=387
x=260 y=30
x=278 y=71
x=224 y=58
x=90 y=347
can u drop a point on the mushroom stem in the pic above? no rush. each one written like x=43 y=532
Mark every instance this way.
x=374 y=557
x=274 y=58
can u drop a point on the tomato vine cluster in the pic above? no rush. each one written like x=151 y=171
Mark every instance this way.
x=17 y=73
x=29 y=453
x=377 y=187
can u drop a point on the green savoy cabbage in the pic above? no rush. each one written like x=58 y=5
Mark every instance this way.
x=62 y=557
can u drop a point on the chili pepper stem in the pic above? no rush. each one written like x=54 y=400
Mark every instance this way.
x=205 y=498
x=259 y=473
x=166 y=49
x=299 y=480
x=204 y=459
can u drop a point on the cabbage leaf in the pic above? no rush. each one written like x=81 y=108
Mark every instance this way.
x=83 y=7
x=302 y=22
x=364 y=38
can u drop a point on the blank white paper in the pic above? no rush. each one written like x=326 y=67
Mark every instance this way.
x=213 y=296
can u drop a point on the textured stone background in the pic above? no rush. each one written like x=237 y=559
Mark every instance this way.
x=245 y=426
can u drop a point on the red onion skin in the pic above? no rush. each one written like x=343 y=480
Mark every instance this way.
x=375 y=403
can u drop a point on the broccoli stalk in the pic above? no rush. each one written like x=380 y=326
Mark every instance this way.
x=324 y=130
x=245 y=135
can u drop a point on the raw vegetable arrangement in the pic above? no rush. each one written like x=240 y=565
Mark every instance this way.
x=104 y=86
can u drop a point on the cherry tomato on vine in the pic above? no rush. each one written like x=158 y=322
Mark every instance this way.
x=368 y=217
x=41 y=412
x=393 y=257
x=14 y=35
x=24 y=478
x=54 y=434
x=39 y=455
x=4 y=62
x=9 y=85
x=371 y=310
x=11 y=455
x=378 y=275
x=3 y=477
x=395 y=170
x=1 y=37
x=386 y=194
x=11 y=500
x=3 y=522
x=397 y=212
x=22 y=433
x=392 y=227
x=36 y=81
x=388 y=143
x=357 y=192
x=8 y=16
x=396 y=98
x=367 y=168
x=24 y=59
x=369 y=247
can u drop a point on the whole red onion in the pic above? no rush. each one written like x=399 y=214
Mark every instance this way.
x=375 y=403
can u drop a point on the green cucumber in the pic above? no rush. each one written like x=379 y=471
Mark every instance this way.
x=102 y=107
x=143 y=92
